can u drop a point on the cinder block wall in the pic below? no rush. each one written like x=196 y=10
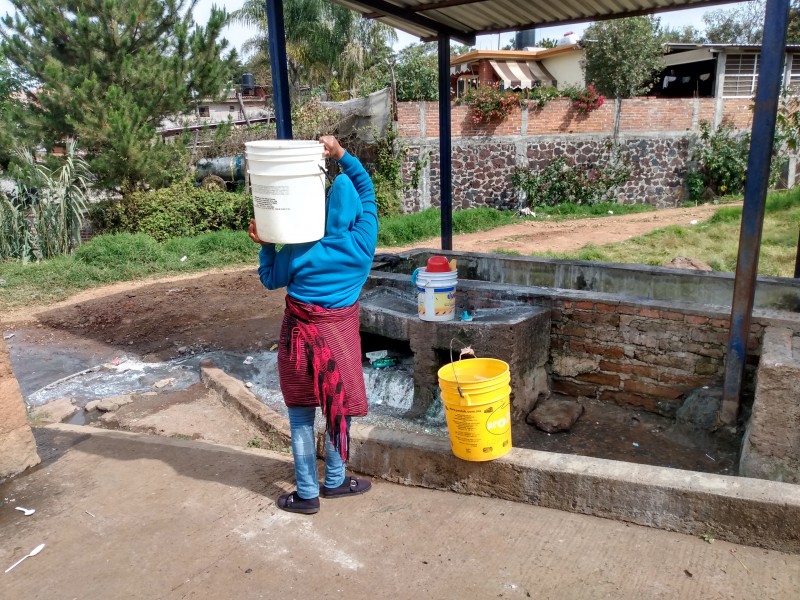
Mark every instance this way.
x=17 y=444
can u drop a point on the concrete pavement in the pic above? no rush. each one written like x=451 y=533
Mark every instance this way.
x=135 y=516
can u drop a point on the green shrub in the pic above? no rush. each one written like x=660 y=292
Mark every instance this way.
x=720 y=157
x=562 y=183
x=181 y=210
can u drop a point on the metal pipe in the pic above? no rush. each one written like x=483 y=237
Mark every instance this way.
x=280 y=75
x=445 y=144
x=770 y=74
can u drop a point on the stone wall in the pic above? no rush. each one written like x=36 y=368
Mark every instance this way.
x=771 y=447
x=654 y=133
x=17 y=445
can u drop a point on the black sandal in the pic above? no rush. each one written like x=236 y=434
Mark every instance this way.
x=294 y=503
x=350 y=487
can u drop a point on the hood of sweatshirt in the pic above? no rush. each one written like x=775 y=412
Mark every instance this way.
x=342 y=206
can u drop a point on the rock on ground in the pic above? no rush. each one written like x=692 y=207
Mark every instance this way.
x=555 y=415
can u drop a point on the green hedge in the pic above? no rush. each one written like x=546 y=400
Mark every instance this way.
x=181 y=210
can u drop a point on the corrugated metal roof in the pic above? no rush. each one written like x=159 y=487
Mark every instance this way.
x=464 y=19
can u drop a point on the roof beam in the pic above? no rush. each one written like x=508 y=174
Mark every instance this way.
x=605 y=17
x=384 y=9
x=432 y=6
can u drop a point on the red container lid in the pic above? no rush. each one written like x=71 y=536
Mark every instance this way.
x=438 y=264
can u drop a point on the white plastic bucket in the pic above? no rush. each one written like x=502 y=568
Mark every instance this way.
x=288 y=185
x=436 y=294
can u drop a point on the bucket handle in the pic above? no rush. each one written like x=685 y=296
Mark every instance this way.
x=414 y=276
x=464 y=350
x=326 y=173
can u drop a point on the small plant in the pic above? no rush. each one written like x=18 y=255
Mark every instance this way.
x=538 y=97
x=254 y=443
x=386 y=175
x=489 y=103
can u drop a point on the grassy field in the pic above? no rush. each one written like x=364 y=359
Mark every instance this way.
x=715 y=241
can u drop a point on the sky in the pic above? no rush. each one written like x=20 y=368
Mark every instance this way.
x=238 y=34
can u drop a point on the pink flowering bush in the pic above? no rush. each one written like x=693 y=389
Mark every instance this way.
x=587 y=100
x=489 y=103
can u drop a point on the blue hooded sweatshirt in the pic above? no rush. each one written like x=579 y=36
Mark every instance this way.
x=330 y=272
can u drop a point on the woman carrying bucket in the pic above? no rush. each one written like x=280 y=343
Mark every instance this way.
x=319 y=354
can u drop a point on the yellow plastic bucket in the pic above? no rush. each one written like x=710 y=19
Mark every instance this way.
x=477 y=401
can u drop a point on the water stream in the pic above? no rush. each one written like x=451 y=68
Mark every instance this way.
x=390 y=391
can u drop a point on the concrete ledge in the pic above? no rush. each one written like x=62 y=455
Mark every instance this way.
x=235 y=393
x=736 y=509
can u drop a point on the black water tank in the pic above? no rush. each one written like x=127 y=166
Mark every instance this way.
x=525 y=39
x=248 y=84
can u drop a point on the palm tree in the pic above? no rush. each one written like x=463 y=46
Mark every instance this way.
x=324 y=41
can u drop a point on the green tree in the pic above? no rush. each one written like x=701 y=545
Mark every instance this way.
x=13 y=104
x=109 y=71
x=417 y=73
x=623 y=56
x=687 y=34
x=742 y=24
x=326 y=45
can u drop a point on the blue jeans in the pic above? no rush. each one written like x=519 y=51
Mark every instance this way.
x=301 y=422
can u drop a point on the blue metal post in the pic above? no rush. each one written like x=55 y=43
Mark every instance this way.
x=445 y=144
x=770 y=75
x=280 y=75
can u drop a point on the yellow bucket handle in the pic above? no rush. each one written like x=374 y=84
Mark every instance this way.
x=465 y=350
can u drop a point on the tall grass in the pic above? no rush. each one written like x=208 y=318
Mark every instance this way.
x=43 y=218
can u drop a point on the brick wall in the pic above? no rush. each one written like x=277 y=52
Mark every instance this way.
x=638 y=356
x=667 y=115
x=654 y=132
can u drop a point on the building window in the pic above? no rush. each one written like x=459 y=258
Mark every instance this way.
x=794 y=72
x=741 y=75
x=204 y=111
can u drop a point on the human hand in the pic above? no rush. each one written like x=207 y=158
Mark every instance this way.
x=332 y=147
x=252 y=231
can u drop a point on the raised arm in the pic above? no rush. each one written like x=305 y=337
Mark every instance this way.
x=365 y=230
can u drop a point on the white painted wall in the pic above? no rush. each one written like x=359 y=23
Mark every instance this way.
x=566 y=68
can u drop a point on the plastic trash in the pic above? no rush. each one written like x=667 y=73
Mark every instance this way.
x=376 y=355
x=33 y=552
x=183 y=259
x=28 y=511
x=465 y=316
x=635 y=444
x=248 y=360
x=8 y=336
x=382 y=363
x=693 y=222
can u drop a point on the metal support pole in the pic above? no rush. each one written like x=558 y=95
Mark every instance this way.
x=797 y=260
x=755 y=195
x=280 y=76
x=445 y=144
